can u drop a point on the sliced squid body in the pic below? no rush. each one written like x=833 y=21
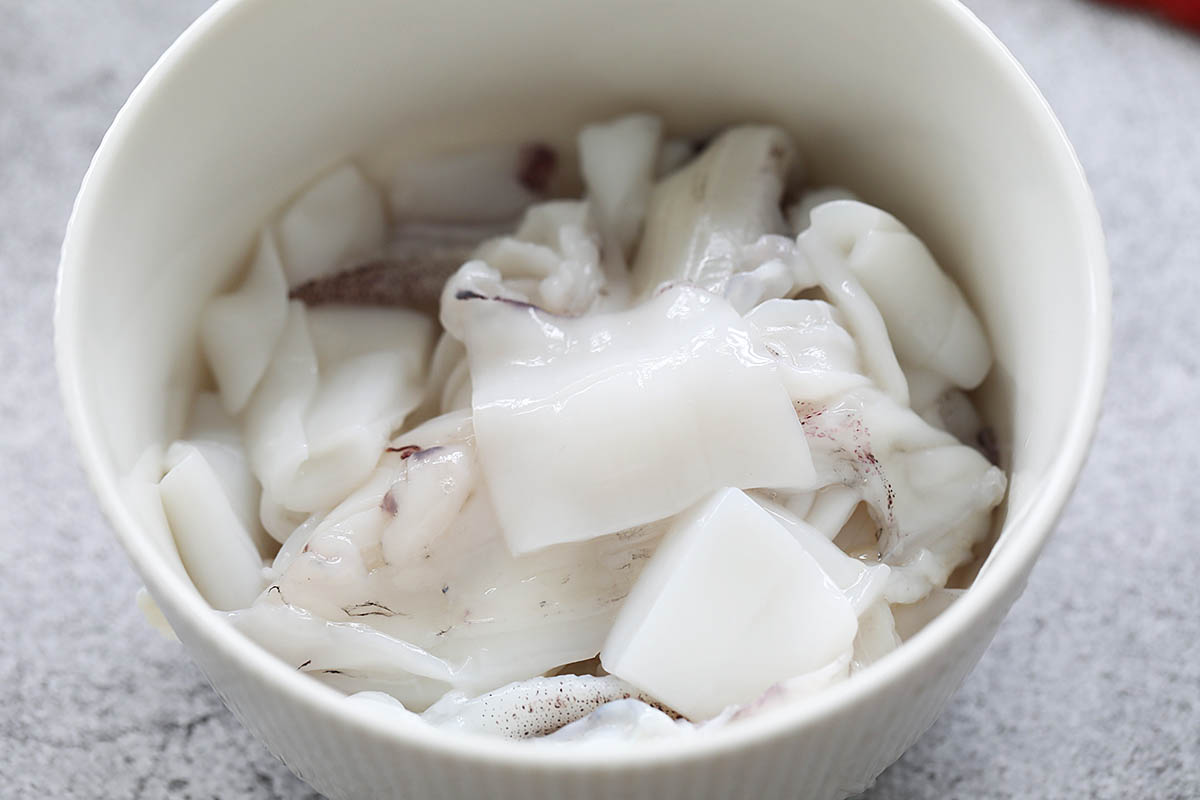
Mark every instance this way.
x=338 y=219
x=416 y=553
x=657 y=406
x=731 y=604
x=215 y=542
x=340 y=382
x=240 y=330
x=618 y=161
x=699 y=216
x=929 y=322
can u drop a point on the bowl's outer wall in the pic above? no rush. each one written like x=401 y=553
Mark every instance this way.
x=813 y=761
x=910 y=104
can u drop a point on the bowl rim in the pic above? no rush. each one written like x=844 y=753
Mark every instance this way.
x=1025 y=536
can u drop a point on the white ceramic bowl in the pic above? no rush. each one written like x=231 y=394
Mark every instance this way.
x=913 y=104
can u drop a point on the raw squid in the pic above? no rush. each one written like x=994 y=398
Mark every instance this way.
x=675 y=457
x=670 y=388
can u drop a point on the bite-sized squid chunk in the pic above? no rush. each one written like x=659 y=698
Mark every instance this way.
x=338 y=218
x=618 y=162
x=699 y=216
x=239 y=330
x=490 y=184
x=657 y=406
x=416 y=553
x=340 y=382
x=215 y=545
x=729 y=605
x=928 y=320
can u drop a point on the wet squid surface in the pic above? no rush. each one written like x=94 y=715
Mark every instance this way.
x=493 y=453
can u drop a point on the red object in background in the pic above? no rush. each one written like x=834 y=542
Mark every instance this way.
x=1185 y=12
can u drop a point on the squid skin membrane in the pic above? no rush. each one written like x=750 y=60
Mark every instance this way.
x=657 y=406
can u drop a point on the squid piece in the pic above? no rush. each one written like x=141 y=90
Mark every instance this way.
x=729 y=605
x=340 y=382
x=699 y=216
x=930 y=324
x=337 y=219
x=492 y=184
x=417 y=554
x=239 y=330
x=658 y=406
x=618 y=162
x=217 y=550
x=409 y=272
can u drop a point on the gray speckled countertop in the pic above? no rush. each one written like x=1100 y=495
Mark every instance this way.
x=1091 y=689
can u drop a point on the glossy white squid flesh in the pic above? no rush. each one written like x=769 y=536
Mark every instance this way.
x=417 y=554
x=729 y=605
x=658 y=406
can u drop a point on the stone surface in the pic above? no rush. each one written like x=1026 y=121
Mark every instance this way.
x=1091 y=688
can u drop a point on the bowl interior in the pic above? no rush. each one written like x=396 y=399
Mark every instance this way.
x=911 y=105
